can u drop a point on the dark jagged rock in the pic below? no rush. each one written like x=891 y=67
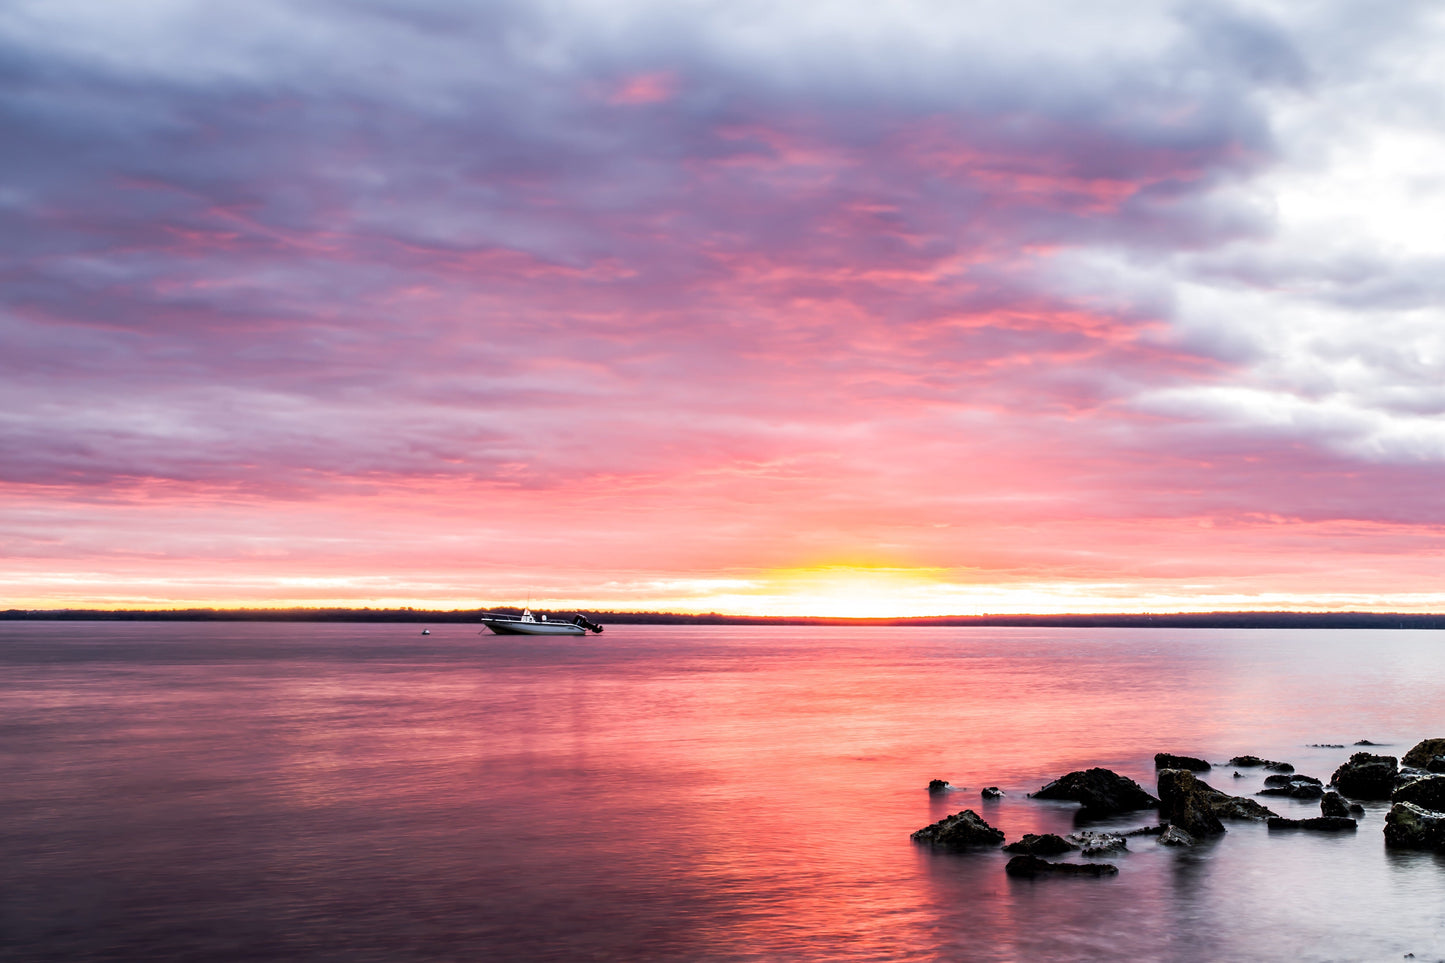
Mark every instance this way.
x=1423 y=753
x=1408 y=826
x=1226 y=806
x=959 y=831
x=1099 y=844
x=1320 y=823
x=1238 y=807
x=1366 y=776
x=1427 y=793
x=936 y=786
x=1248 y=762
x=1101 y=791
x=1030 y=867
x=1174 y=836
x=1185 y=802
x=1284 y=779
x=1327 y=745
x=1436 y=765
x=1333 y=804
x=1301 y=787
x=1366 y=742
x=1164 y=760
x=1045 y=844
x=992 y=792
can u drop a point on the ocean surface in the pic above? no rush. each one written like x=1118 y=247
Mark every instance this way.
x=213 y=791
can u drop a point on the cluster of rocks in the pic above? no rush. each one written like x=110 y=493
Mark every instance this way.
x=1190 y=809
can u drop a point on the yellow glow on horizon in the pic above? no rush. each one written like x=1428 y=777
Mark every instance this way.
x=839 y=591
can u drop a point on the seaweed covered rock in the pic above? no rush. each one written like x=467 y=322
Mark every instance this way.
x=1333 y=804
x=1319 y=823
x=1185 y=802
x=1423 y=752
x=1249 y=762
x=1045 y=844
x=1164 y=760
x=1408 y=826
x=959 y=831
x=1102 y=792
x=1030 y=867
x=1366 y=776
x=1427 y=793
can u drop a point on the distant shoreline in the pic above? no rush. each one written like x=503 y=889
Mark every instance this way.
x=1175 y=620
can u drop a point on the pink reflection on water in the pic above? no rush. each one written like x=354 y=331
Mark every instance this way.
x=675 y=793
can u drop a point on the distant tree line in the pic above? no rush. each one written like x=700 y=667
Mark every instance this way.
x=1185 y=620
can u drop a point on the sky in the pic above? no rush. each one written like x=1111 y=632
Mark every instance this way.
x=836 y=308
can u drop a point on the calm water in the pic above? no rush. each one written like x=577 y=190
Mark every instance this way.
x=349 y=792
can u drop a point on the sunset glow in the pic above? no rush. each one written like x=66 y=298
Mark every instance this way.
x=814 y=309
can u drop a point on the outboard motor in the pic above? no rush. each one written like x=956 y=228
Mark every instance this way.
x=586 y=623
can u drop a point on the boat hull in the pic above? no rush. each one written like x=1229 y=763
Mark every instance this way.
x=508 y=627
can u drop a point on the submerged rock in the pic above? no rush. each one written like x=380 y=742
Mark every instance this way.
x=1164 y=760
x=1427 y=793
x=1101 y=791
x=1174 y=836
x=1366 y=776
x=1032 y=866
x=1249 y=762
x=1408 y=826
x=959 y=831
x=1185 y=802
x=992 y=792
x=1099 y=844
x=1149 y=830
x=1333 y=804
x=1366 y=742
x=1045 y=844
x=936 y=786
x=1323 y=823
x=1423 y=753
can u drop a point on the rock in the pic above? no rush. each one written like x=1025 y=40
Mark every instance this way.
x=1284 y=779
x=1366 y=776
x=1101 y=791
x=1238 y=807
x=1324 y=823
x=936 y=786
x=1423 y=753
x=1427 y=793
x=1408 y=826
x=1327 y=745
x=1302 y=787
x=1148 y=831
x=1333 y=804
x=1029 y=867
x=1436 y=765
x=1044 y=844
x=1163 y=760
x=959 y=831
x=1253 y=761
x=1099 y=844
x=992 y=792
x=1174 y=836
x=1366 y=742
x=1185 y=802
x=1238 y=775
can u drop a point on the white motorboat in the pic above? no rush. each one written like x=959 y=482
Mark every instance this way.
x=529 y=624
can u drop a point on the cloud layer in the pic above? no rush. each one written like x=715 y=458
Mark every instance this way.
x=654 y=304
